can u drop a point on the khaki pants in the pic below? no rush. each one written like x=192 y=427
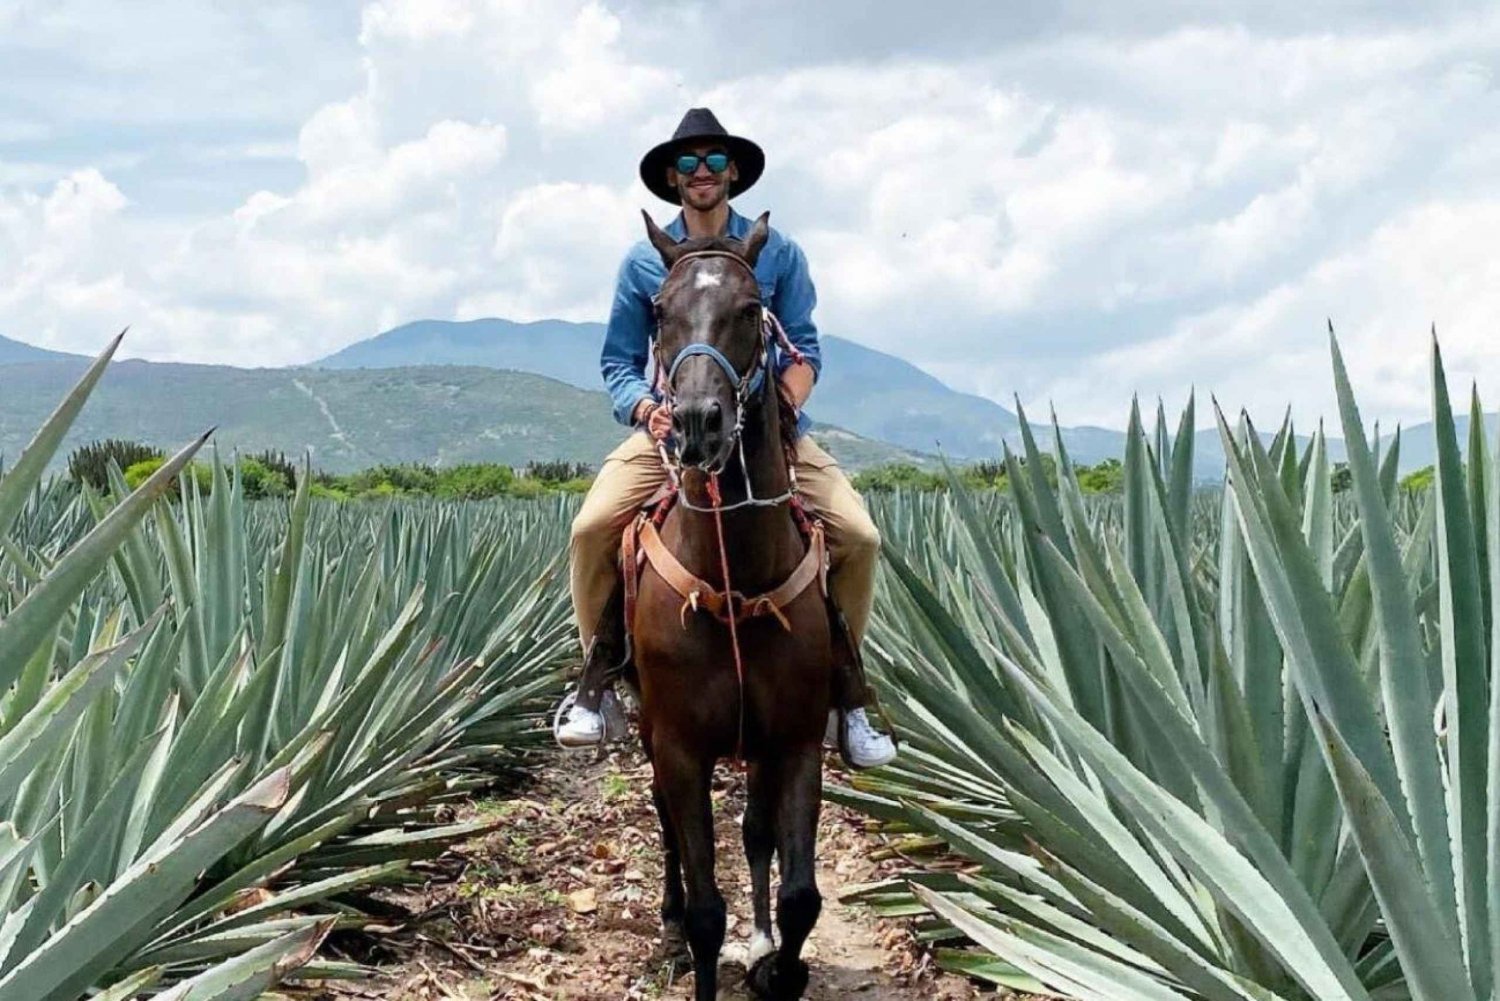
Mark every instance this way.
x=633 y=472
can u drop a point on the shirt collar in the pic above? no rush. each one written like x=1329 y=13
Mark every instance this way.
x=736 y=228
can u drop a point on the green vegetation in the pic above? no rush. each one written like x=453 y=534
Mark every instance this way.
x=222 y=720
x=469 y=481
x=90 y=463
x=1418 y=480
x=1233 y=746
x=1107 y=477
x=270 y=474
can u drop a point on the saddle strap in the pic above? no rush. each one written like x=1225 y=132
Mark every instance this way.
x=699 y=594
x=630 y=567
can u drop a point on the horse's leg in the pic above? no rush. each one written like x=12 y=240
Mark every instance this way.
x=684 y=784
x=760 y=845
x=674 y=946
x=783 y=975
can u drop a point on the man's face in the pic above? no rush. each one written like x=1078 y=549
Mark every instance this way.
x=702 y=189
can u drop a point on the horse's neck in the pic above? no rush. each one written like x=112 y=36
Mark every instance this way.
x=760 y=541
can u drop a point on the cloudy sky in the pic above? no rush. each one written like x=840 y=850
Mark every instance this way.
x=1027 y=198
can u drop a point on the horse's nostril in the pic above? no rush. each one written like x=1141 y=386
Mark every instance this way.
x=713 y=416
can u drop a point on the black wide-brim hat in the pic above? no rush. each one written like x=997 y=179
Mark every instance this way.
x=699 y=126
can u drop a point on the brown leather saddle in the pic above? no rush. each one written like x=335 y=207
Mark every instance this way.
x=642 y=545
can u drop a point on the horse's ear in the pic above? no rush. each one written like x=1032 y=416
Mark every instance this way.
x=755 y=240
x=668 y=248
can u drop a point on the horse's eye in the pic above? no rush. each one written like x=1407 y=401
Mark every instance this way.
x=750 y=311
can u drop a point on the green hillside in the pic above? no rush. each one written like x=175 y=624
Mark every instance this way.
x=14 y=352
x=873 y=394
x=350 y=419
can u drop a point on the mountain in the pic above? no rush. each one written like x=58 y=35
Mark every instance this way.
x=865 y=391
x=1419 y=443
x=15 y=352
x=350 y=419
x=567 y=352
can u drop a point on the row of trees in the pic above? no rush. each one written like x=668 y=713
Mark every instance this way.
x=1106 y=477
x=1103 y=478
x=272 y=474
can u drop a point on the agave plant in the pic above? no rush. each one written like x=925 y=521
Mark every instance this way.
x=1232 y=746
x=221 y=719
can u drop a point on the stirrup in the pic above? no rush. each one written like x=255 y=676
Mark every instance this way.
x=611 y=708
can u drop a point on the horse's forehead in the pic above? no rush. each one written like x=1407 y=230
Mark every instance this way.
x=709 y=275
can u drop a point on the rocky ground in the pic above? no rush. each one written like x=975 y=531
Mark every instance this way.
x=560 y=902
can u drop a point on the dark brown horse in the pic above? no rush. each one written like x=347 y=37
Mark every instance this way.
x=695 y=708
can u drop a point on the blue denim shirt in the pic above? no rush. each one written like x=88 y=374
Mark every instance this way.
x=785 y=287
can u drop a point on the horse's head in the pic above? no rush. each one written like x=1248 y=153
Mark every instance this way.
x=710 y=341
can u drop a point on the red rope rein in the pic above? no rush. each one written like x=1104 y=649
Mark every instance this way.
x=716 y=500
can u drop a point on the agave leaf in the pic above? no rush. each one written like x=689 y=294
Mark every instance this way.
x=248 y=976
x=1408 y=700
x=1465 y=671
x=131 y=986
x=1431 y=959
x=42 y=730
x=1146 y=936
x=29 y=623
x=108 y=929
x=1055 y=961
x=1273 y=905
x=93 y=837
x=19 y=480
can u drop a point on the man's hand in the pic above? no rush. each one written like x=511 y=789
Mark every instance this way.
x=657 y=418
x=659 y=424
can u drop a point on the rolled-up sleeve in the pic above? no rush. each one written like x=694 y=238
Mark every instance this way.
x=627 y=343
x=793 y=305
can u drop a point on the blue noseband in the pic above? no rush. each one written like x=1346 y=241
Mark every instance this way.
x=744 y=386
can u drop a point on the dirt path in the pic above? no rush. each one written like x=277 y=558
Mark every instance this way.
x=561 y=903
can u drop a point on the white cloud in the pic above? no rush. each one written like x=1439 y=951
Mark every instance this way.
x=554 y=243
x=1066 y=213
x=1433 y=265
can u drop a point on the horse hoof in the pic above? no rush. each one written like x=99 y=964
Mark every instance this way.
x=672 y=950
x=768 y=980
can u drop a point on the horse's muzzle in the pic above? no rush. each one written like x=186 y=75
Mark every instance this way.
x=699 y=427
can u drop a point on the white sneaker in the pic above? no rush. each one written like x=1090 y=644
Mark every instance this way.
x=576 y=726
x=868 y=747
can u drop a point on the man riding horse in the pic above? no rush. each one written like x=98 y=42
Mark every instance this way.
x=701 y=168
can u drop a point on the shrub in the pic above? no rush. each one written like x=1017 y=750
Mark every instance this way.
x=1107 y=477
x=90 y=463
x=278 y=462
x=527 y=487
x=897 y=476
x=1419 y=480
x=474 y=481
x=389 y=480
x=262 y=481
x=139 y=472
x=557 y=471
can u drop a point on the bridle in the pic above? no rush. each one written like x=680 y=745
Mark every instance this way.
x=747 y=385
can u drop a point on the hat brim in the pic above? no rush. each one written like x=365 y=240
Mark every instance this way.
x=749 y=159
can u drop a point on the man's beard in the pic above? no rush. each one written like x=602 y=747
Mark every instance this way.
x=720 y=194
